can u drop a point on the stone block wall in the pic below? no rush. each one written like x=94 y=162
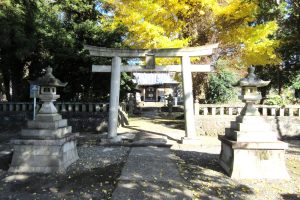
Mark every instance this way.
x=213 y=125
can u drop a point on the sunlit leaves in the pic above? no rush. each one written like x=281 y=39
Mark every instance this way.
x=151 y=24
x=232 y=23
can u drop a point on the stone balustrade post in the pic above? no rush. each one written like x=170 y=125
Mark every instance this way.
x=273 y=111
x=24 y=105
x=30 y=107
x=4 y=107
x=11 y=107
x=63 y=107
x=77 y=107
x=230 y=109
x=213 y=111
x=264 y=111
x=83 y=108
x=222 y=110
x=97 y=107
x=291 y=111
x=70 y=109
x=205 y=111
x=281 y=111
x=91 y=107
x=105 y=107
x=196 y=107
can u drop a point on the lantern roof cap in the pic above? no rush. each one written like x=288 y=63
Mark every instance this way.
x=251 y=80
x=48 y=80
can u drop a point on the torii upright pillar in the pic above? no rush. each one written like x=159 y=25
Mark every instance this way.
x=188 y=99
x=114 y=99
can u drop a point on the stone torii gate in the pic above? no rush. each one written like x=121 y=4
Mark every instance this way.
x=150 y=54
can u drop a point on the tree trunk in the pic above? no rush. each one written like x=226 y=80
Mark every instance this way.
x=6 y=81
x=17 y=82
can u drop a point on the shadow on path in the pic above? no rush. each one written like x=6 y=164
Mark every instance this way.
x=154 y=133
x=207 y=179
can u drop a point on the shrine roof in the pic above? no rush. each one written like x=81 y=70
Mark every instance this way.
x=153 y=78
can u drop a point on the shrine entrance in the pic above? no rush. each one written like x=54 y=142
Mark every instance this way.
x=150 y=54
x=150 y=94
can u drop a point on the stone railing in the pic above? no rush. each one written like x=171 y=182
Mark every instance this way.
x=213 y=119
x=60 y=106
x=226 y=109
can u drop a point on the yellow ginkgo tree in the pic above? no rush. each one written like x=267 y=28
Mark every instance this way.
x=180 y=23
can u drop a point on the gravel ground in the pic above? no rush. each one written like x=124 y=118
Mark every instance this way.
x=207 y=180
x=93 y=176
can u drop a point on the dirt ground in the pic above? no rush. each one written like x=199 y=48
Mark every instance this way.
x=207 y=179
x=93 y=176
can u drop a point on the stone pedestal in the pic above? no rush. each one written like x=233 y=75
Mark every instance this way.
x=253 y=160
x=252 y=151
x=47 y=145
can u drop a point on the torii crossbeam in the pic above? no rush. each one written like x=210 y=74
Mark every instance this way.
x=150 y=54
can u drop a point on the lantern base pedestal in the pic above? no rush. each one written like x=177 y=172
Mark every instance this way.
x=44 y=156
x=48 y=117
x=47 y=145
x=251 y=129
x=253 y=160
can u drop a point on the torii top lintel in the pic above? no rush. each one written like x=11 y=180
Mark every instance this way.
x=168 y=52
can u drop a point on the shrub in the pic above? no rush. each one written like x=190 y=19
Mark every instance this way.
x=220 y=88
x=287 y=97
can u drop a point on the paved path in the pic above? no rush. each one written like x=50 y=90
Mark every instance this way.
x=151 y=173
x=151 y=126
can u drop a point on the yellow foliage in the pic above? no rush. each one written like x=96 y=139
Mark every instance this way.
x=151 y=24
x=161 y=23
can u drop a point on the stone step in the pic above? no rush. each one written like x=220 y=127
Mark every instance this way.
x=48 y=117
x=259 y=136
x=248 y=127
x=47 y=125
x=46 y=133
x=250 y=119
x=150 y=142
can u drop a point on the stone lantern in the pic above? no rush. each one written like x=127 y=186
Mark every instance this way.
x=250 y=148
x=47 y=144
x=47 y=94
x=250 y=95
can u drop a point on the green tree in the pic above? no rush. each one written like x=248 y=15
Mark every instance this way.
x=220 y=87
x=18 y=40
x=35 y=34
x=287 y=15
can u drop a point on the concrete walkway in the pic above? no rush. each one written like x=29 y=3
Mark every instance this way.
x=151 y=173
